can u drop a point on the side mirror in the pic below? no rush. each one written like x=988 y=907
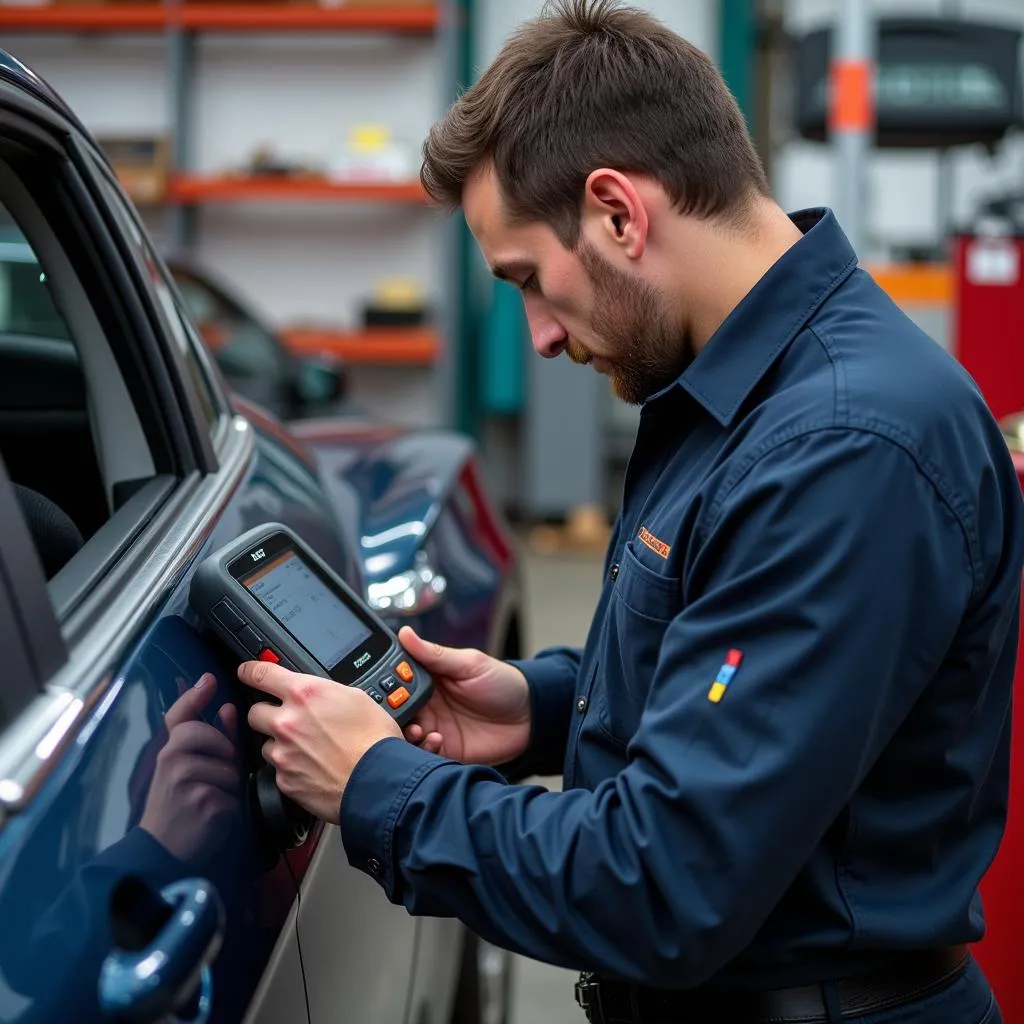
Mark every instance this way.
x=319 y=381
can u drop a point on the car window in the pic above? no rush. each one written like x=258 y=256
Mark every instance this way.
x=26 y=305
x=178 y=324
x=70 y=435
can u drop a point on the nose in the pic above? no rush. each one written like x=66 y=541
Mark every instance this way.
x=548 y=335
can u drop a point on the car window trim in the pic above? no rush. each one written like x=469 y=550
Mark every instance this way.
x=168 y=377
x=215 y=379
x=33 y=745
x=219 y=388
x=86 y=577
x=90 y=165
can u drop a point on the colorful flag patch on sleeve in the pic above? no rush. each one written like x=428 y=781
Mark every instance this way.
x=724 y=677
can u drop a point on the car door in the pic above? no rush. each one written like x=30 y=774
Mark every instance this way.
x=136 y=877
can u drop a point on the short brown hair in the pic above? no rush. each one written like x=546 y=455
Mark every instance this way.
x=592 y=84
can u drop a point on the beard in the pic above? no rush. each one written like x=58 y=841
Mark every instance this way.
x=648 y=349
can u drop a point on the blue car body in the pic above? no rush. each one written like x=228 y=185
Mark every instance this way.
x=80 y=854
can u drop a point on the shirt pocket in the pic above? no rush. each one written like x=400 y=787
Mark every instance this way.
x=645 y=591
x=643 y=604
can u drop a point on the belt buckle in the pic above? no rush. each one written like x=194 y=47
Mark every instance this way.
x=588 y=997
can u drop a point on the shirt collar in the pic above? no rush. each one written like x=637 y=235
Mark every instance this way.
x=740 y=352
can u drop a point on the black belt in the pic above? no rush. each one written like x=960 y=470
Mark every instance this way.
x=909 y=977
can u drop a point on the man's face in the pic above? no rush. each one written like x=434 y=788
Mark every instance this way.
x=578 y=302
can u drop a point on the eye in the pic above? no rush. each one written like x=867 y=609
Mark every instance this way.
x=530 y=284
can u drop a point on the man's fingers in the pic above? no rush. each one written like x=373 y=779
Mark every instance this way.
x=261 y=717
x=446 y=661
x=262 y=675
x=206 y=771
x=228 y=718
x=268 y=751
x=199 y=739
x=429 y=740
x=433 y=743
x=189 y=706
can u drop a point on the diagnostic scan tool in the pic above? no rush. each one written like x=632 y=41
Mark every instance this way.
x=270 y=598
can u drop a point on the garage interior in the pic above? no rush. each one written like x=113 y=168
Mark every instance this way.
x=275 y=146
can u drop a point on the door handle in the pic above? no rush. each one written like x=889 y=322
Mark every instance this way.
x=164 y=945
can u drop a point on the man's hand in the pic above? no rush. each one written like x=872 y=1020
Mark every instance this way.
x=317 y=735
x=479 y=712
x=196 y=788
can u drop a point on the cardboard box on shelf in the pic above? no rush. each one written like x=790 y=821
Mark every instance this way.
x=141 y=163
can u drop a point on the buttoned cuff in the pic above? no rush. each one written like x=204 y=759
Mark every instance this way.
x=377 y=791
x=552 y=690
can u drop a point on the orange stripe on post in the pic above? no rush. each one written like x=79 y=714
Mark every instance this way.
x=852 y=107
x=928 y=284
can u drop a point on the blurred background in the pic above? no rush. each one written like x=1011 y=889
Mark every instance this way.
x=274 y=150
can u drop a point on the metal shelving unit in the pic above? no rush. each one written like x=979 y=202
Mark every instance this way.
x=155 y=17
x=446 y=23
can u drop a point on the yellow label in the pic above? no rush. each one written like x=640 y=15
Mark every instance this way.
x=369 y=138
x=716 y=693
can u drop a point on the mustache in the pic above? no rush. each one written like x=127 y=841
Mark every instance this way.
x=580 y=355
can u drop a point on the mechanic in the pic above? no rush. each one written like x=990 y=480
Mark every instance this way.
x=785 y=744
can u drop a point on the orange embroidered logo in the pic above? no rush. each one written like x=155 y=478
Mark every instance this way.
x=659 y=547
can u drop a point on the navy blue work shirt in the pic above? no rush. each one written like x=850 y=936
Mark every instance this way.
x=786 y=742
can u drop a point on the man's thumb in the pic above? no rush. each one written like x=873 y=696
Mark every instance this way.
x=440 y=660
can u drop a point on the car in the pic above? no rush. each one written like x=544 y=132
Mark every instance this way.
x=142 y=876
x=255 y=360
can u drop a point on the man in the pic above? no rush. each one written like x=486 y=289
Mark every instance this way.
x=786 y=741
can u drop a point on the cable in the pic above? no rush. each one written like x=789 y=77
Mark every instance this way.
x=298 y=940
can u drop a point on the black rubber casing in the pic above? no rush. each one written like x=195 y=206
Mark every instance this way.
x=237 y=616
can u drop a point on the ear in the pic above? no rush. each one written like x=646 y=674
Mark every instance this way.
x=611 y=199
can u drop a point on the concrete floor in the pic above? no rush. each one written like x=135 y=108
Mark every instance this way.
x=560 y=595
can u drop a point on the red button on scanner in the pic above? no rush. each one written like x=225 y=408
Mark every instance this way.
x=268 y=655
x=404 y=671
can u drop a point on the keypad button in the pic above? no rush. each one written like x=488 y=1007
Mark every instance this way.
x=399 y=697
x=376 y=695
x=404 y=671
x=250 y=640
x=387 y=684
x=268 y=655
x=227 y=615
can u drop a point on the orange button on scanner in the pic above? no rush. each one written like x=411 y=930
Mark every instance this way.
x=268 y=655
x=399 y=697
x=404 y=672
